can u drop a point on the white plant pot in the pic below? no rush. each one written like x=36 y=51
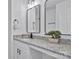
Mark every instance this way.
x=53 y=40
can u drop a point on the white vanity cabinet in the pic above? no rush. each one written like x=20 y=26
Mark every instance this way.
x=40 y=53
x=24 y=51
x=29 y=51
x=21 y=50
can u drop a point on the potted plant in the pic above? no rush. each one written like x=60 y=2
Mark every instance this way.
x=55 y=36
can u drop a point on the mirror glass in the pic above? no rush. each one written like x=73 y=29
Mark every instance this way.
x=34 y=19
x=58 y=16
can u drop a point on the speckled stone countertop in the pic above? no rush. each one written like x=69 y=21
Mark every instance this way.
x=62 y=49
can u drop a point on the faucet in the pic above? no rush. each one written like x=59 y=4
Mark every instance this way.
x=31 y=35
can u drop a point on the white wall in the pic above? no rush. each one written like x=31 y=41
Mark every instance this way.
x=19 y=12
x=63 y=18
x=42 y=3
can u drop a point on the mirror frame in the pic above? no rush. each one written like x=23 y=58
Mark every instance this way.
x=45 y=13
x=39 y=18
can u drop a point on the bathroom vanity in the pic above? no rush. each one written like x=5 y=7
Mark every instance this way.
x=40 y=17
x=40 y=49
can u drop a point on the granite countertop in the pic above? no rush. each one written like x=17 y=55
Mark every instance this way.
x=62 y=49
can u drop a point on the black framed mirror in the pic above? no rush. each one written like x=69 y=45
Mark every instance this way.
x=58 y=16
x=33 y=19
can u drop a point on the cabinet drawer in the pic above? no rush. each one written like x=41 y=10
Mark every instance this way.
x=21 y=50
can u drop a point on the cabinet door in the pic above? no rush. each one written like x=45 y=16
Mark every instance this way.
x=36 y=54
x=21 y=50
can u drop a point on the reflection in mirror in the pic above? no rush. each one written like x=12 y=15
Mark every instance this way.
x=58 y=16
x=34 y=19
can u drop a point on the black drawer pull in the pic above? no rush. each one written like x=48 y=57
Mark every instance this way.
x=19 y=51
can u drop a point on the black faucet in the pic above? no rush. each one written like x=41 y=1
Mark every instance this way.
x=31 y=35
